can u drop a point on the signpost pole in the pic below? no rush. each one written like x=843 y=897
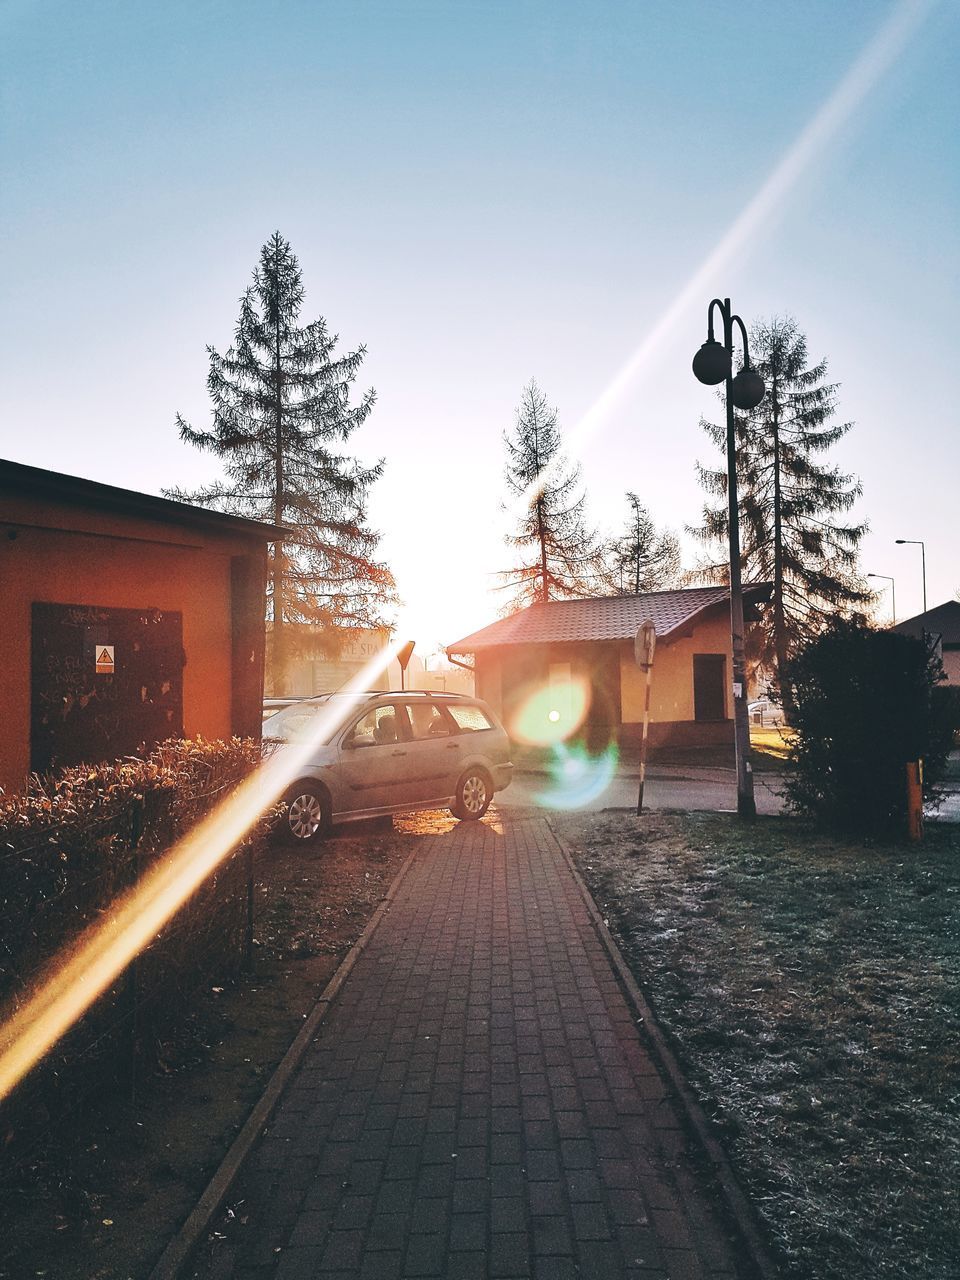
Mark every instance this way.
x=644 y=646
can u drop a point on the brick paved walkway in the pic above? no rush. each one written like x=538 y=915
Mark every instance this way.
x=478 y=1102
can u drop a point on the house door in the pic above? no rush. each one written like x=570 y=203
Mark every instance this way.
x=709 y=686
x=104 y=683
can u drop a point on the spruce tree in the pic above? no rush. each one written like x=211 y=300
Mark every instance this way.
x=281 y=410
x=791 y=533
x=641 y=559
x=556 y=555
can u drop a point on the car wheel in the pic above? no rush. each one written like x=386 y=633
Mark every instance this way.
x=473 y=795
x=307 y=816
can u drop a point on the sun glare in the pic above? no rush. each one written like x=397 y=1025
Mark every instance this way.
x=810 y=145
x=74 y=980
x=550 y=714
x=577 y=777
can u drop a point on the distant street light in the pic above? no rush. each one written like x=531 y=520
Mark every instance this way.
x=713 y=364
x=912 y=542
x=893 y=592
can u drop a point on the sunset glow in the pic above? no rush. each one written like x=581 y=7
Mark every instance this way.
x=74 y=980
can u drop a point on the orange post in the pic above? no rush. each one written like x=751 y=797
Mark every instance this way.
x=915 y=799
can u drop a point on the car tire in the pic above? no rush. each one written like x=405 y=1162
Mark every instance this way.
x=306 y=818
x=473 y=795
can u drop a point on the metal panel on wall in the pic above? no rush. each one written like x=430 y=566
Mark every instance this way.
x=105 y=683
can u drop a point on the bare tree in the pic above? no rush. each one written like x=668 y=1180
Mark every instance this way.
x=556 y=555
x=641 y=558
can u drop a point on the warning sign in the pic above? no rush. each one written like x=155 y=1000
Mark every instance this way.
x=104 y=659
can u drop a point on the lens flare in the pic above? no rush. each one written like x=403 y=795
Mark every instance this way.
x=810 y=146
x=577 y=778
x=550 y=714
x=72 y=982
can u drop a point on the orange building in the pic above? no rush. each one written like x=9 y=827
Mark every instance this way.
x=124 y=619
x=569 y=666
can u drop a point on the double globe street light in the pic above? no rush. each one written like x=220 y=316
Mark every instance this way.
x=713 y=364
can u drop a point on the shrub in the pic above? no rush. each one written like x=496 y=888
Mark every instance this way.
x=865 y=707
x=69 y=846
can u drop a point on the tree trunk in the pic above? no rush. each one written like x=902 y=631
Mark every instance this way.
x=278 y=662
x=780 y=642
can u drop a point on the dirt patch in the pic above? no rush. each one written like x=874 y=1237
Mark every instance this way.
x=102 y=1200
x=812 y=993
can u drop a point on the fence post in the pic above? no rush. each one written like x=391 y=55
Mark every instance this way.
x=133 y=972
x=248 y=941
x=915 y=800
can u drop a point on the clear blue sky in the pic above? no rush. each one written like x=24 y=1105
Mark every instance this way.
x=482 y=193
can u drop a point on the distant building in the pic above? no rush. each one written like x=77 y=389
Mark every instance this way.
x=126 y=619
x=942 y=625
x=311 y=668
x=539 y=662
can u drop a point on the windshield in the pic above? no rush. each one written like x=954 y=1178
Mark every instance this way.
x=293 y=724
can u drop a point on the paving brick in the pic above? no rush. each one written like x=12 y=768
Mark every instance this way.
x=478 y=1102
x=509 y=1254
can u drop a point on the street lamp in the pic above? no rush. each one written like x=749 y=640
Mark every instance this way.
x=713 y=364
x=893 y=592
x=911 y=542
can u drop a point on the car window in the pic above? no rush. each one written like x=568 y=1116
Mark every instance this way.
x=469 y=719
x=378 y=728
x=427 y=720
x=295 y=724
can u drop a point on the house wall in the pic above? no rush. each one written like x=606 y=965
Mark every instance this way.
x=951 y=664
x=672 y=718
x=501 y=673
x=62 y=553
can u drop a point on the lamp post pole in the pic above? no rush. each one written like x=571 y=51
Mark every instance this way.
x=912 y=542
x=893 y=592
x=712 y=364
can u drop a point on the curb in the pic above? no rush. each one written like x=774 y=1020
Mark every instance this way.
x=179 y=1249
x=739 y=1208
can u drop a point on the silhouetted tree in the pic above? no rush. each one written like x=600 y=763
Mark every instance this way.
x=789 y=503
x=280 y=409
x=641 y=559
x=557 y=555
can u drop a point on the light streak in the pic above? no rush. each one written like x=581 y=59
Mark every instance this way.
x=877 y=57
x=72 y=982
x=577 y=777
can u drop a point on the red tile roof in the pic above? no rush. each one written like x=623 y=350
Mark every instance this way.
x=606 y=618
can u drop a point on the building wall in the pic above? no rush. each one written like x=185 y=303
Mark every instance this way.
x=59 y=553
x=671 y=690
x=672 y=718
x=951 y=665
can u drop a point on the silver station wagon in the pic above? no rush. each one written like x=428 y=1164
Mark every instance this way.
x=390 y=752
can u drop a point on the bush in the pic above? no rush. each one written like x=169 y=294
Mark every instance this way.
x=866 y=705
x=69 y=846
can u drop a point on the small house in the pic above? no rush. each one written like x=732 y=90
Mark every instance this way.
x=568 y=667
x=942 y=626
x=126 y=619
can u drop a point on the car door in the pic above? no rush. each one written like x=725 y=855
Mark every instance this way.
x=435 y=750
x=375 y=761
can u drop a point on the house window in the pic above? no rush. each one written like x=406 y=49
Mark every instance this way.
x=709 y=686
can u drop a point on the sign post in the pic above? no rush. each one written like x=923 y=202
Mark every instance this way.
x=644 y=646
x=403 y=657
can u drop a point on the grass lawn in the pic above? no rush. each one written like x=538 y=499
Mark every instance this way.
x=812 y=992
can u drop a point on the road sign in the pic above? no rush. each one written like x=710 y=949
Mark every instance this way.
x=644 y=644
x=104 y=655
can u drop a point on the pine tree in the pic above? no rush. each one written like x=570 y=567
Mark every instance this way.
x=557 y=556
x=642 y=559
x=789 y=503
x=280 y=410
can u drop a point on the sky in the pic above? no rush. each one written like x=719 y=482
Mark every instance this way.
x=482 y=193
